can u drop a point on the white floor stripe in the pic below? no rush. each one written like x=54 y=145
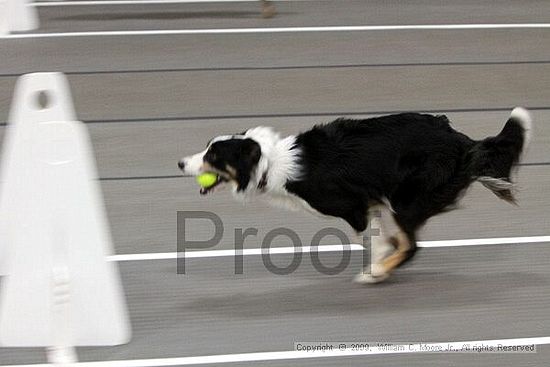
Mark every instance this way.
x=325 y=248
x=167 y=32
x=484 y=241
x=289 y=355
x=224 y=253
x=140 y=2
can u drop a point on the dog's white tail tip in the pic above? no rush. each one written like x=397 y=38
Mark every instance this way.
x=526 y=121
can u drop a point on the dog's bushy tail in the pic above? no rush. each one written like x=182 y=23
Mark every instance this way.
x=493 y=159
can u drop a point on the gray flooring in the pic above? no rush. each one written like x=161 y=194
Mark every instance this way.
x=148 y=100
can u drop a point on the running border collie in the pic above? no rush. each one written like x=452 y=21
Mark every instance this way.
x=413 y=165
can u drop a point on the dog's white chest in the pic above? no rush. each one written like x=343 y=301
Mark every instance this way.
x=291 y=202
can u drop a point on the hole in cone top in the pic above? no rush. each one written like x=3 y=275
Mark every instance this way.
x=43 y=100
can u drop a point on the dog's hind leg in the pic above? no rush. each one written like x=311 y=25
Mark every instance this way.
x=380 y=245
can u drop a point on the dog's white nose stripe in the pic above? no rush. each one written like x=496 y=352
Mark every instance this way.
x=193 y=164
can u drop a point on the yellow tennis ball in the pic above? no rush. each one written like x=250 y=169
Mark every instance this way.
x=207 y=179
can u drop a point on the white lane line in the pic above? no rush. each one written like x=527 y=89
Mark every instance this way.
x=225 y=253
x=167 y=32
x=324 y=248
x=484 y=241
x=139 y=2
x=290 y=355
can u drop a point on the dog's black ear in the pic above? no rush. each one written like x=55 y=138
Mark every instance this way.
x=251 y=151
x=249 y=158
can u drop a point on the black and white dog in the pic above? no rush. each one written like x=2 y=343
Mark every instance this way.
x=413 y=165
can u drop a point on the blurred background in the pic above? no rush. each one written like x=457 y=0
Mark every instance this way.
x=150 y=91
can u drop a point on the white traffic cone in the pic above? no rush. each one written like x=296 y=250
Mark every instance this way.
x=60 y=290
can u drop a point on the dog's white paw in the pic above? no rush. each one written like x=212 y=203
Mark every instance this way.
x=378 y=270
x=369 y=278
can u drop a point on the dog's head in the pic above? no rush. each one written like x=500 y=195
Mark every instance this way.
x=234 y=158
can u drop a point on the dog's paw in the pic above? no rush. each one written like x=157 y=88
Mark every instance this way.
x=369 y=278
x=378 y=270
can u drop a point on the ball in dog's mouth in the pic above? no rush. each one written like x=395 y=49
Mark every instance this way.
x=206 y=190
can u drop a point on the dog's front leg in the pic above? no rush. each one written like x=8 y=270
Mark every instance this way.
x=375 y=238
